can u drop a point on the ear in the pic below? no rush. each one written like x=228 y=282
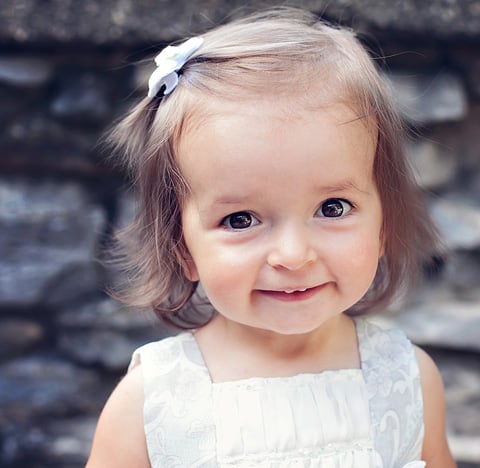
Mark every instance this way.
x=189 y=269
x=188 y=265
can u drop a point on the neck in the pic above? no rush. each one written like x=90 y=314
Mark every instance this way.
x=233 y=351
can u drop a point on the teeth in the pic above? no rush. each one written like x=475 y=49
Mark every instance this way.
x=290 y=291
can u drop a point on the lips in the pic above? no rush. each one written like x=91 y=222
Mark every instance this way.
x=292 y=295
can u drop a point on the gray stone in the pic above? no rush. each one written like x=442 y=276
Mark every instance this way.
x=429 y=98
x=34 y=142
x=475 y=187
x=18 y=335
x=105 y=333
x=469 y=145
x=438 y=318
x=47 y=229
x=460 y=139
x=466 y=450
x=34 y=126
x=71 y=439
x=110 y=349
x=434 y=166
x=82 y=98
x=124 y=215
x=467 y=59
x=45 y=385
x=55 y=442
x=472 y=78
x=141 y=74
x=462 y=272
x=25 y=72
x=77 y=282
x=461 y=376
x=13 y=102
x=126 y=22
x=437 y=18
x=125 y=211
x=458 y=220
x=104 y=313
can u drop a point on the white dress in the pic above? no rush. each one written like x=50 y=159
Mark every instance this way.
x=364 y=418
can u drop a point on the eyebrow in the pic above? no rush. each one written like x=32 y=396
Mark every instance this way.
x=327 y=190
x=233 y=200
x=341 y=187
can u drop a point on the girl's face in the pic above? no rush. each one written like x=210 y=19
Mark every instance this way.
x=283 y=222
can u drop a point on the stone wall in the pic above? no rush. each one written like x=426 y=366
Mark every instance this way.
x=67 y=70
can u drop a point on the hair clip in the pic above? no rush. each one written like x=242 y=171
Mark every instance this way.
x=169 y=61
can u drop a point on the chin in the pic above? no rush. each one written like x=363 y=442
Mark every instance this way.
x=293 y=329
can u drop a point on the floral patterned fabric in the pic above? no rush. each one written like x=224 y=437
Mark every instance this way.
x=369 y=417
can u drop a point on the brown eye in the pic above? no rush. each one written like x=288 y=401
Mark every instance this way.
x=240 y=220
x=335 y=208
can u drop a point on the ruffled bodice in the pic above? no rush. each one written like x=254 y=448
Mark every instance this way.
x=368 y=417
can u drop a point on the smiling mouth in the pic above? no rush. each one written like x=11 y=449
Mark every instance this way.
x=288 y=295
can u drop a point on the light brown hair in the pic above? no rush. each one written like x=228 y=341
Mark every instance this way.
x=279 y=52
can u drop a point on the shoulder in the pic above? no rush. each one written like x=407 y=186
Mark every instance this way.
x=119 y=438
x=384 y=346
x=435 y=447
x=162 y=361
x=164 y=350
x=388 y=354
x=430 y=375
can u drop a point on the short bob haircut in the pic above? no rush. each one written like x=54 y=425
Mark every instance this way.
x=281 y=52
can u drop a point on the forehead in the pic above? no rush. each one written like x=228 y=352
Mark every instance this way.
x=295 y=99
x=232 y=144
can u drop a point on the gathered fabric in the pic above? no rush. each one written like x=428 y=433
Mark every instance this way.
x=348 y=418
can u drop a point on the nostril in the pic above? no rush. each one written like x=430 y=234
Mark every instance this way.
x=292 y=258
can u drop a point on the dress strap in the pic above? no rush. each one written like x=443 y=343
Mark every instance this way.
x=178 y=405
x=392 y=377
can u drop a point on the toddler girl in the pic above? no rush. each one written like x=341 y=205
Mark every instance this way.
x=268 y=162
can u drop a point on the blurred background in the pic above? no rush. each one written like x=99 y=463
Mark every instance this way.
x=68 y=69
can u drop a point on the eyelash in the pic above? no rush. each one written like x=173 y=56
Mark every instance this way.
x=251 y=220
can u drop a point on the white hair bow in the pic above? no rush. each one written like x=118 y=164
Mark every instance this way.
x=169 y=61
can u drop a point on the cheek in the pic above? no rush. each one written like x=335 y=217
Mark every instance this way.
x=221 y=269
x=221 y=279
x=365 y=264
x=359 y=257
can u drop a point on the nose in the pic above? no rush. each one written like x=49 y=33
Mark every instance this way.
x=292 y=248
